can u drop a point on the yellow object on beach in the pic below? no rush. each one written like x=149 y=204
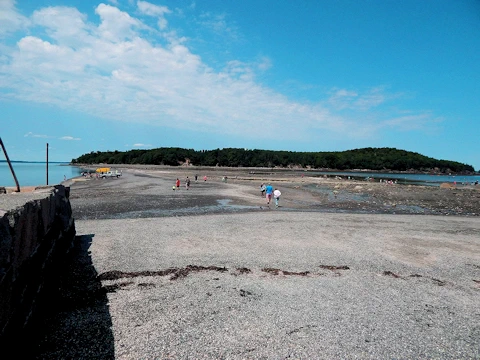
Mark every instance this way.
x=102 y=170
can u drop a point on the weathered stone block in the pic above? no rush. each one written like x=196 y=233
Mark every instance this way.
x=5 y=244
x=33 y=238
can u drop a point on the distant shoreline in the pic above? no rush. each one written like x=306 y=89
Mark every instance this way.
x=274 y=169
x=37 y=162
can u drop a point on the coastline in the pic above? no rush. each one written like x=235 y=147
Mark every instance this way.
x=273 y=169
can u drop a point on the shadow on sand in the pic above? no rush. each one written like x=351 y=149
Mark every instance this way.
x=77 y=322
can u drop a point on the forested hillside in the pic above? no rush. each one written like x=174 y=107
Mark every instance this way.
x=366 y=158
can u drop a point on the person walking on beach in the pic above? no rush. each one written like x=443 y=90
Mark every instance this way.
x=205 y=178
x=262 y=189
x=177 y=184
x=196 y=177
x=187 y=183
x=276 y=195
x=269 y=193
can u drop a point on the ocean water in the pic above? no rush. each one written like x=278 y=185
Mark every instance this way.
x=417 y=179
x=35 y=173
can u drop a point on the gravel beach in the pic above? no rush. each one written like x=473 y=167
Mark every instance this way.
x=341 y=270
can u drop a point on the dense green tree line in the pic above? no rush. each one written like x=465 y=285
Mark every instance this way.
x=366 y=158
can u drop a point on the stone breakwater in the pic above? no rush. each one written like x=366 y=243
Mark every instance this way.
x=37 y=230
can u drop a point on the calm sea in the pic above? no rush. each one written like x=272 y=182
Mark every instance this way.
x=418 y=179
x=35 y=173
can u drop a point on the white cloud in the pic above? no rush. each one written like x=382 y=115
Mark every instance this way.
x=151 y=9
x=117 y=26
x=69 y=138
x=31 y=134
x=65 y=25
x=115 y=70
x=154 y=10
x=349 y=99
x=10 y=19
x=142 y=145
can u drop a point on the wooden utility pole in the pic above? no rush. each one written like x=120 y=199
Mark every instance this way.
x=10 y=165
x=47 y=163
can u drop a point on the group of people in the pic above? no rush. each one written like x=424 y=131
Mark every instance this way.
x=268 y=192
x=177 y=184
x=187 y=182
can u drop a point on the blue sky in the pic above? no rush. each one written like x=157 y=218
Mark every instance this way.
x=324 y=75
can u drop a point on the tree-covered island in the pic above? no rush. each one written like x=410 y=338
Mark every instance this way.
x=377 y=159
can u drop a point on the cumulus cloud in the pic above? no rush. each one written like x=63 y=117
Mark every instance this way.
x=154 y=10
x=10 y=19
x=114 y=66
x=64 y=25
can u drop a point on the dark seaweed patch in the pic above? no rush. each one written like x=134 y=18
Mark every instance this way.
x=272 y=271
x=245 y=293
x=244 y=270
x=146 y=285
x=392 y=274
x=115 y=274
x=195 y=268
x=301 y=273
x=439 y=282
x=175 y=272
x=333 y=267
x=114 y=287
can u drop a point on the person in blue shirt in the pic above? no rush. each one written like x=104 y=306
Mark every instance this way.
x=269 y=193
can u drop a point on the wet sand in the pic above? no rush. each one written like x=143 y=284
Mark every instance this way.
x=147 y=191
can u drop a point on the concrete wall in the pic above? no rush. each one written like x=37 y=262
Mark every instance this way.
x=36 y=231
